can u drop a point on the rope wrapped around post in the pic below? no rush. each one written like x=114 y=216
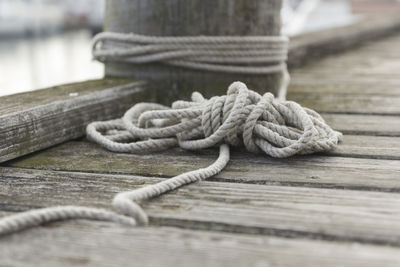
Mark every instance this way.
x=230 y=54
x=262 y=124
x=252 y=55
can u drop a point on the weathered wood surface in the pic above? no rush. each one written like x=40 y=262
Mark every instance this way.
x=312 y=46
x=192 y=18
x=40 y=119
x=234 y=207
x=340 y=84
x=377 y=58
x=313 y=171
x=380 y=147
x=365 y=81
x=71 y=244
x=347 y=103
x=361 y=124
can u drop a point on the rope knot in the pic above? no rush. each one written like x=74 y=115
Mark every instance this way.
x=261 y=123
x=241 y=117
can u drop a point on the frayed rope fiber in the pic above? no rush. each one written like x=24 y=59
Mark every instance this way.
x=262 y=124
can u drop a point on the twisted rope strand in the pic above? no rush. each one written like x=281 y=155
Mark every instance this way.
x=228 y=54
x=21 y=221
x=262 y=124
x=250 y=55
x=190 y=40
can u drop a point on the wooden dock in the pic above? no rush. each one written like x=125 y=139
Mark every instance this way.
x=335 y=209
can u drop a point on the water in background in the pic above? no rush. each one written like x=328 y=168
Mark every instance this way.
x=32 y=63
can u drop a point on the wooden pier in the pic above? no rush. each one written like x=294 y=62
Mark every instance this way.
x=334 y=209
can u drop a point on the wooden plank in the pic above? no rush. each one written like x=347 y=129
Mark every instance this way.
x=311 y=171
x=370 y=69
x=378 y=57
x=310 y=47
x=356 y=64
x=353 y=85
x=379 y=147
x=28 y=100
x=364 y=124
x=348 y=103
x=104 y=244
x=332 y=214
x=36 y=120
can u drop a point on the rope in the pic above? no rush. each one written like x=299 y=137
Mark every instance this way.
x=242 y=117
x=240 y=54
x=261 y=124
x=252 y=55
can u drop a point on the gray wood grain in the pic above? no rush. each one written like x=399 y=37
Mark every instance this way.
x=364 y=81
x=364 y=124
x=332 y=214
x=40 y=119
x=378 y=57
x=342 y=83
x=311 y=171
x=29 y=100
x=192 y=18
x=349 y=103
x=371 y=69
x=104 y=244
x=378 y=147
x=311 y=46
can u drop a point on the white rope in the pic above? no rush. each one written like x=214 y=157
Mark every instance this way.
x=242 y=117
x=233 y=54
x=252 y=55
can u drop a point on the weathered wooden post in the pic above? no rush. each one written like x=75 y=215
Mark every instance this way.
x=192 y=18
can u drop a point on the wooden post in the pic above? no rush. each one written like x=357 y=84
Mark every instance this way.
x=191 y=18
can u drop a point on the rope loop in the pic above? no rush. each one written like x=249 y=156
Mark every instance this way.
x=248 y=55
x=241 y=117
x=230 y=54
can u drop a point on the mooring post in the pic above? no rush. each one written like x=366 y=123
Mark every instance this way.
x=192 y=18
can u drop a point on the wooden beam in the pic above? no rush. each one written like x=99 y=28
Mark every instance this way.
x=342 y=83
x=312 y=46
x=101 y=244
x=363 y=81
x=285 y=211
x=364 y=146
x=363 y=124
x=349 y=103
x=192 y=18
x=36 y=120
x=319 y=171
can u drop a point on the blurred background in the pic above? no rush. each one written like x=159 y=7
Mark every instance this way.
x=48 y=42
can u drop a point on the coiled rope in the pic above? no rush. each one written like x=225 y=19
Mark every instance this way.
x=252 y=55
x=242 y=117
x=231 y=54
x=261 y=124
